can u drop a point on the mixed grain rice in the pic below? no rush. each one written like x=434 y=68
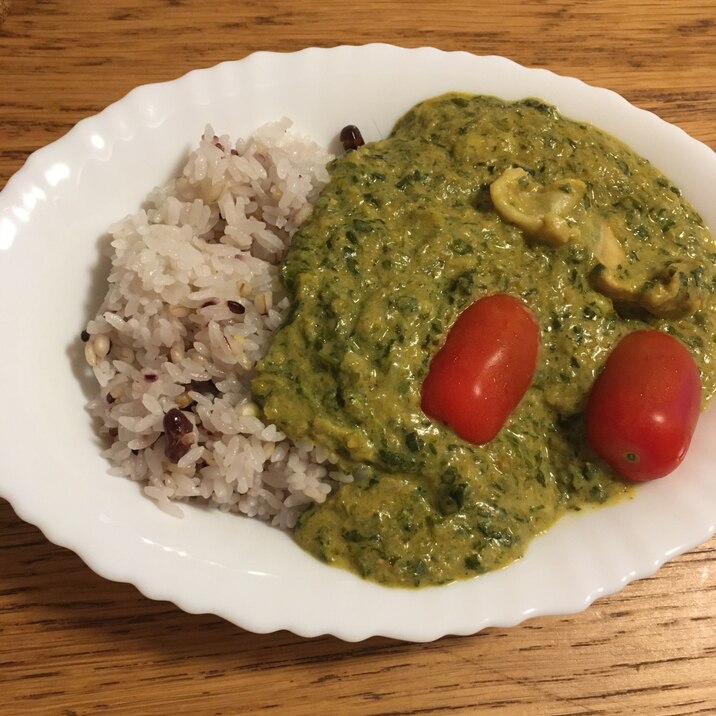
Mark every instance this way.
x=193 y=299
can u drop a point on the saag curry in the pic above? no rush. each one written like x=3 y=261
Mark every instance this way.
x=471 y=196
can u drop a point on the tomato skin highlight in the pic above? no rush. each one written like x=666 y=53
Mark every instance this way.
x=483 y=369
x=644 y=405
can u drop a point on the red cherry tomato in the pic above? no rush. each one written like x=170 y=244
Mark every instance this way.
x=644 y=405
x=484 y=368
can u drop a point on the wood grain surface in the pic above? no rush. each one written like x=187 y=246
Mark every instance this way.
x=72 y=643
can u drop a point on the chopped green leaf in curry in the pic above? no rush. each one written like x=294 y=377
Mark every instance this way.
x=471 y=196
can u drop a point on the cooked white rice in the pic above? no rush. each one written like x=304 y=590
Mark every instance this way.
x=171 y=333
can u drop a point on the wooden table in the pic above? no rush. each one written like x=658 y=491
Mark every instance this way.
x=72 y=643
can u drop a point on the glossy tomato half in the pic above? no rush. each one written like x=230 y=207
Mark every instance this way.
x=644 y=405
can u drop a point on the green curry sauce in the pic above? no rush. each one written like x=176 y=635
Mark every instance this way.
x=405 y=236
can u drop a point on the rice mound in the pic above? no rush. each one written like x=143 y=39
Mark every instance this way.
x=194 y=297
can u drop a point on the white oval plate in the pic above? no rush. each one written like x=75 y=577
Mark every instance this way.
x=53 y=214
